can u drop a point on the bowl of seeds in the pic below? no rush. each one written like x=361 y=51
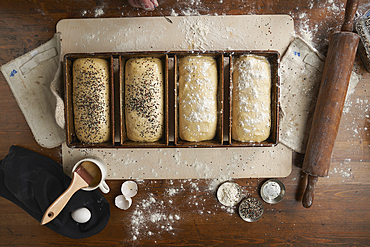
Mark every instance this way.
x=251 y=209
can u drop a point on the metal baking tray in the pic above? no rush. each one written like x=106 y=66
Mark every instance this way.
x=273 y=57
x=124 y=141
x=218 y=139
x=71 y=138
x=170 y=137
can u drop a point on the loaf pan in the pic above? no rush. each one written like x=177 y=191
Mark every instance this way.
x=125 y=142
x=273 y=57
x=224 y=120
x=218 y=139
x=71 y=138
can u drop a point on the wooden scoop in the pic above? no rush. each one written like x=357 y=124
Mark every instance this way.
x=330 y=102
x=81 y=179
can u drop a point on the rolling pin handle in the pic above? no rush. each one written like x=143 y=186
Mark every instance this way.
x=351 y=8
x=309 y=194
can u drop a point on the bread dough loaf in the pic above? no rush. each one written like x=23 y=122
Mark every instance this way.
x=91 y=100
x=251 y=99
x=144 y=99
x=197 y=98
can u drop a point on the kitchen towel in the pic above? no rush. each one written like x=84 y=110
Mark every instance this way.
x=33 y=181
x=35 y=79
x=301 y=71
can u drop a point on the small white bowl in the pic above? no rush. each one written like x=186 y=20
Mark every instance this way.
x=229 y=194
x=272 y=191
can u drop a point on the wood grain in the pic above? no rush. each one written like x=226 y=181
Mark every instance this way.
x=340 y=214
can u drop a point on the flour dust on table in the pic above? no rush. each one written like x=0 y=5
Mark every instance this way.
x=150 y=216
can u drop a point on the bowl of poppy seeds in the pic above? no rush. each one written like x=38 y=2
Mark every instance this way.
x=251 y=209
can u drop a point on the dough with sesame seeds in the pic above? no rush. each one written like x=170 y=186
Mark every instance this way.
x=91 y=100
x=197 y=98
x=251 y=99
x=144 y=99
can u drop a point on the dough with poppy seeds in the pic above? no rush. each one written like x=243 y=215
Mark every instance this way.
x=91 y=100
x=144 y=99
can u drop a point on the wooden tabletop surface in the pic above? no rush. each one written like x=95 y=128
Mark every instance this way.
x=183 y=212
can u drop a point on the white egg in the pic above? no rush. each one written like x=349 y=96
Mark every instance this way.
x=122 y=202
x=129 y=189
x=81 y=215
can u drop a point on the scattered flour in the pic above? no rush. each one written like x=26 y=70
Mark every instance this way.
x=171 y=191
x=99 y=12
x=189 y=12
x=344 y=169
x=197 y=31
x=229 y=210
x=153 y=217
x=149 y=218
x=308 y=30
x=356 y=124
x=191 y=7
x=351 y=89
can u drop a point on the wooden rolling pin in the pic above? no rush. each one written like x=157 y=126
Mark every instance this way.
x=329 y=105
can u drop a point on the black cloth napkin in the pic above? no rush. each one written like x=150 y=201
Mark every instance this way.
x=33 y=182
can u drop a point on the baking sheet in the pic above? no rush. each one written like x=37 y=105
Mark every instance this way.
x=199 y=33
x=187 y=163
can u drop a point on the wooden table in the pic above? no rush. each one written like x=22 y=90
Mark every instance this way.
x=190 y=214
